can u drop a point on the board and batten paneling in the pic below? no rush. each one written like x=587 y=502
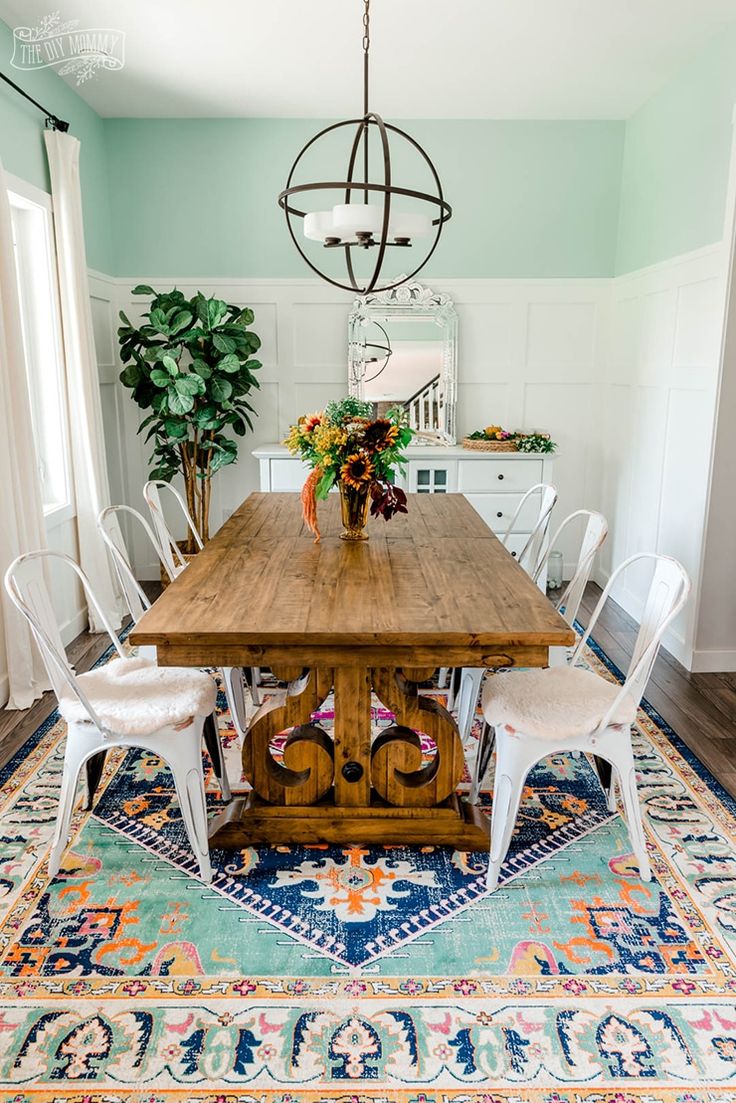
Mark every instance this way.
x=656 y=416
x=530 y=353
x=623 y=373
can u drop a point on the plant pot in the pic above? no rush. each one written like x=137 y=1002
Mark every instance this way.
x=354 y=507
x=186 y=556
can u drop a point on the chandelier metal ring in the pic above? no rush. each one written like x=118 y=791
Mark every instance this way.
x=387 y=189
x=352 y=225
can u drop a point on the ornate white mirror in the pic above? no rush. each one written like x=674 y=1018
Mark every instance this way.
x=402 y=351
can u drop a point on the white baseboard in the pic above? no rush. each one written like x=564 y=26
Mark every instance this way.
x=713 y=662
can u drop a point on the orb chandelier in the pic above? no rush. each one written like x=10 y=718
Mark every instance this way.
x=368 y=218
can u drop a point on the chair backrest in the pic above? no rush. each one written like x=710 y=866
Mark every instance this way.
x=533 y=549
x=107 y=523
x=26 y=585
x=668 y=593
x=173 y=559
x=595 y=532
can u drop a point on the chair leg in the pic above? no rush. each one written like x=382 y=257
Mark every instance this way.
x=214 y=749
x=232 y=677
x=185 y=763
x=607 y=777
x=252 y=678
x=471 y=679
x=452 y=687
x=512 y=767
x=442 y=675
x=482 y=758
x=632 y=807
x=73 y=760
x=93 y=768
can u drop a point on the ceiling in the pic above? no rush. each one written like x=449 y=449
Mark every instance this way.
x=514 y=59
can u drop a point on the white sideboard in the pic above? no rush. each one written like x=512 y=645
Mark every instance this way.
x=493 y=482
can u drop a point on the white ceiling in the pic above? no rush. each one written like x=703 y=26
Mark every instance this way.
x=536 y=59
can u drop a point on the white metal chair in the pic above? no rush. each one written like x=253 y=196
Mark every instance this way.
x=129 y=702
x=174 y=563
x=464 y=684
x=535 y=545
x=137 y=603
x=568 y=604
x=537 y=713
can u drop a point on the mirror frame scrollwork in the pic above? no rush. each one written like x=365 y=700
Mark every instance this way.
x=416 y=301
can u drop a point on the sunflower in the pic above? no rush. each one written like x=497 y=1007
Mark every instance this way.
x=357 y=471
x=310 y=422
x=380 y=434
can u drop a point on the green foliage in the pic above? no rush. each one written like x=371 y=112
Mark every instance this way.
x=191 y=364
x=535 y=442
x=343 y=409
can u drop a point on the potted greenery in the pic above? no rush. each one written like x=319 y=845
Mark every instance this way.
x=191 y=365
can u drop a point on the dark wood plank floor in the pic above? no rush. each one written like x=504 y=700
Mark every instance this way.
x=700 y=707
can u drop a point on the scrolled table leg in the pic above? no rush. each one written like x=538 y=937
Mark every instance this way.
x=396 y=770
x=307 y=771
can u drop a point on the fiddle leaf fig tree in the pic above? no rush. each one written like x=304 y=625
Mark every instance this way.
x=191 y=364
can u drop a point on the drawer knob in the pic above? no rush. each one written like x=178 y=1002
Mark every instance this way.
x=500 y=476
x=513 y=555
x=499 y=514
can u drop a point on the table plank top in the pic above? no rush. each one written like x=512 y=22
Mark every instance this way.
x=436 y=576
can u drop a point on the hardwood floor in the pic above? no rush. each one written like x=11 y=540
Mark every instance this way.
x=700 y=707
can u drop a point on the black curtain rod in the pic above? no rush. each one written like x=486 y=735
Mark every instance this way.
x=51 y=119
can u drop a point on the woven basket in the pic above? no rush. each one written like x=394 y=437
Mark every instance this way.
x=490 y=445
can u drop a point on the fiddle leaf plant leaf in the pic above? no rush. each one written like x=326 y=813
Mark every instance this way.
x=188 y=364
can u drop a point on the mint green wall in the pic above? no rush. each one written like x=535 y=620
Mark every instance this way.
x=197 y=197
x=676 y=162
x=22 y=150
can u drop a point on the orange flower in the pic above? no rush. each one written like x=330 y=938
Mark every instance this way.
x=310 y=422
x=357 y=471
x=309 y=502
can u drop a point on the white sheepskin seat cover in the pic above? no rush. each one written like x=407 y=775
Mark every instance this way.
x=555 y=703
x=133 y=696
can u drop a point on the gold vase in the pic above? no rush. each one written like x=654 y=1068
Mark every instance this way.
x=354 y=506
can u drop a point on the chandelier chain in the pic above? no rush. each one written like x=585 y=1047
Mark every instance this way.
x=366 y=26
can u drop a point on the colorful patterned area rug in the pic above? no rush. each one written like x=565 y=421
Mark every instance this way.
x=361 y=973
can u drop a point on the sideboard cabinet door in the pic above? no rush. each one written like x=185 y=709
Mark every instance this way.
x=432 y=477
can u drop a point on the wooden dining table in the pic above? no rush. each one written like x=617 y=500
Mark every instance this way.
x=369 y=622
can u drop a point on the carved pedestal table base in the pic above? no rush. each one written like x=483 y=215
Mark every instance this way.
x=350 y=787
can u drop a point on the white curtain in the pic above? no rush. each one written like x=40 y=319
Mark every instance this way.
x=21 y=510
x=91 y=487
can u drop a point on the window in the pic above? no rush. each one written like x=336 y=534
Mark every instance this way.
x=35 y=261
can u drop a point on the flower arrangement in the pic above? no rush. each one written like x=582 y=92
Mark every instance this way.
x=345 y=445
x=493 y=437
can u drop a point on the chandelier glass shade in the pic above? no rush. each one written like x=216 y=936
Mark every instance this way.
x=368 y=216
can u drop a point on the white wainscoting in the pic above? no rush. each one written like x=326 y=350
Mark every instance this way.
x=530 y=355
x=622 y=372
x=656 y=413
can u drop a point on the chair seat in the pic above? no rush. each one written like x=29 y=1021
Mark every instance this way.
x=554 y=703
x=135 y=697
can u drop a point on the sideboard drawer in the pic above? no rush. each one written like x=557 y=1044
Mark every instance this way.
x=497 y=510
x=517 y=543
x=498 y=476
x=288 y=475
